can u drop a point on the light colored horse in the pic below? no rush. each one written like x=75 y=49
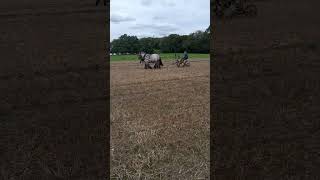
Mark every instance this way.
x=150 y=59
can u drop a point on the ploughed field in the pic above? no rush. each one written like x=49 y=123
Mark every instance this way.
x=160 y=121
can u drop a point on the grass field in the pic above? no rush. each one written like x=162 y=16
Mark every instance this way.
x=164 y=56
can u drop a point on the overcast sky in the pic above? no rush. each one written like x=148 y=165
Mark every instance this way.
x=158 y=18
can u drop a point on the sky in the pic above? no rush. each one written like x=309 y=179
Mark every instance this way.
x=158 y=18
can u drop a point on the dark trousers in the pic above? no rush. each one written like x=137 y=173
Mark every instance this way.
x=104 y=2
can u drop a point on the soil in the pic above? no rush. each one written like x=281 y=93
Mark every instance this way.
x=160 y=121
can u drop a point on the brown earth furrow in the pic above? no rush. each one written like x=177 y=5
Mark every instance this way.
x=161 y=81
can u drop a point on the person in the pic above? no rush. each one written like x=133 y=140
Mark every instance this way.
x=185 y=56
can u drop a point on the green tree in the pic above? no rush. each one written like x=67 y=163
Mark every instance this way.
x=197 y=42
x=149 y=45
x=125 y=44
x=171 y=43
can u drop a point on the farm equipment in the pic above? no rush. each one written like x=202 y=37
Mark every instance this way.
x=235 y=8
x=182 y=62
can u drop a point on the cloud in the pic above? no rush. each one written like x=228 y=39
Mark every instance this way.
x=146 y=2
x=116 y=18
x=158 y=18
x=150 y=30
x=165 y=3
x=163 y=34
x=143 y=35
x=168 y=3
x=167 y=28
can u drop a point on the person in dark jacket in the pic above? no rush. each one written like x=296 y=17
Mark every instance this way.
x=185 y=55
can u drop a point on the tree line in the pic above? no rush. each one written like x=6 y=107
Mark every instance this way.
x=197 y=42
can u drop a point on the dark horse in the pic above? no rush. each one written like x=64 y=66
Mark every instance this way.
x=150 y=59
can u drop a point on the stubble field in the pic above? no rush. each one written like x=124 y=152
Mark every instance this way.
x=160 y=121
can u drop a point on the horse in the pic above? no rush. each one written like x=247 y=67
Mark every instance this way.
x=150 y=59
